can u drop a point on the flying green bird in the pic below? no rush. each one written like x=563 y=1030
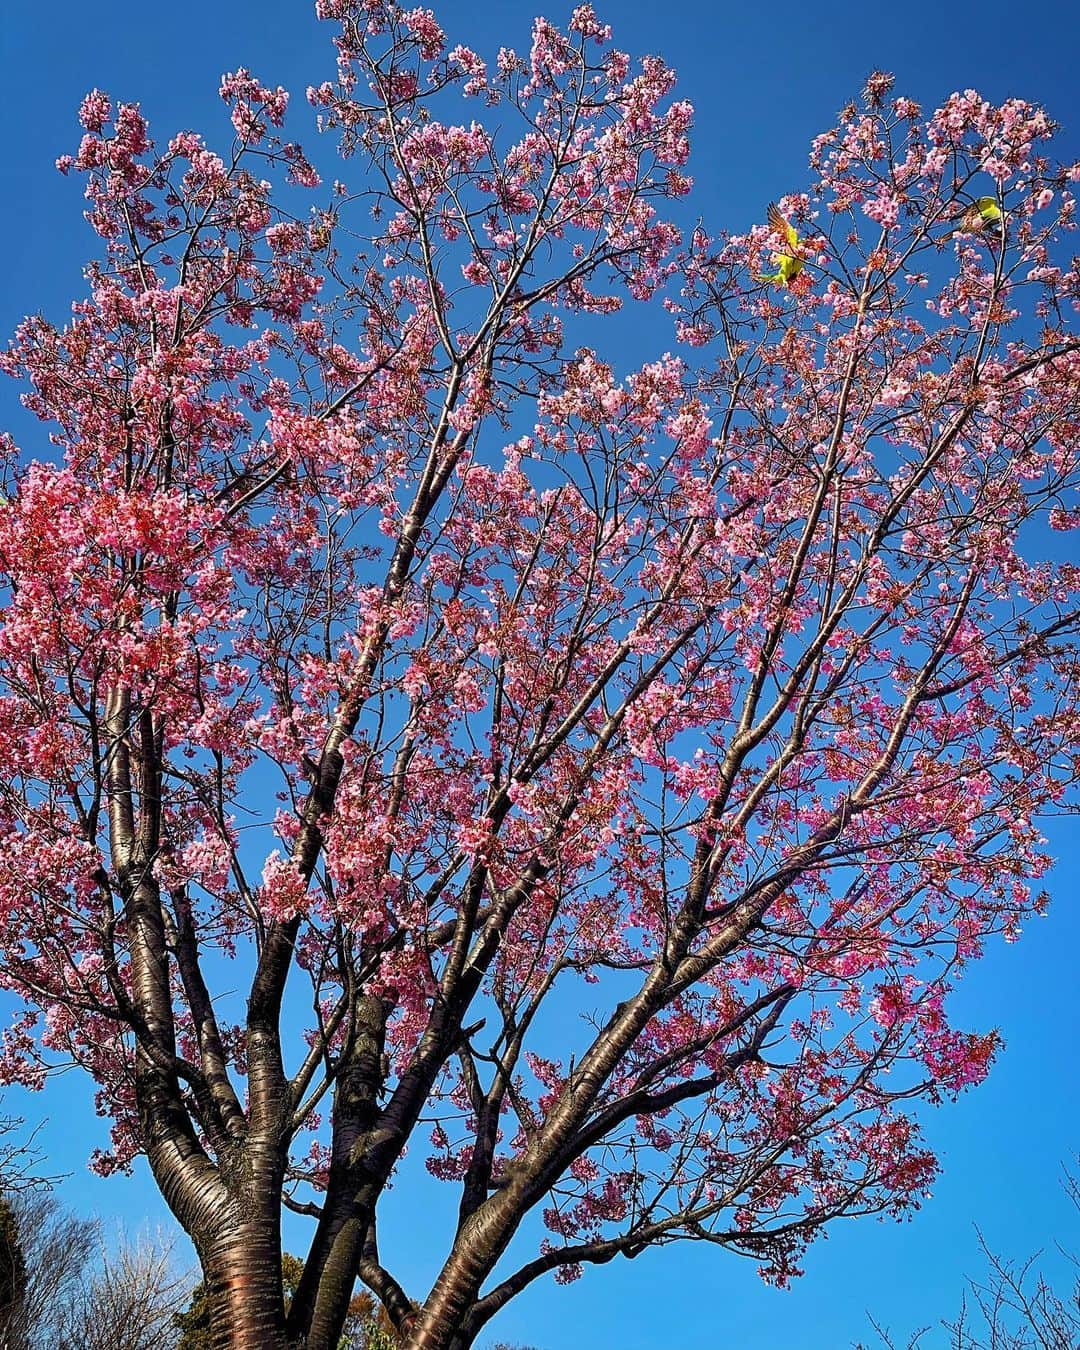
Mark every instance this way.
x=788 y=265
x=983 y=214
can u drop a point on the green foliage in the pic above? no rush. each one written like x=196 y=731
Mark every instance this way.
x=194 y=1322
x=366 y=1327
x=12 y=1270
x=291 y=1270
x=374 y=1337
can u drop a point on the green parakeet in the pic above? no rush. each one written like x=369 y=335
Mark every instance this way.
x=788 y=265
x=982 y=215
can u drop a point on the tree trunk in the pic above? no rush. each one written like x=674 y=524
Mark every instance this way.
x=321 y=1302
x=337 y=1278
x=444 y=1321
x=243 y=1275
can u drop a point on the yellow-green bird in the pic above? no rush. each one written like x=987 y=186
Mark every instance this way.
x=788 y=265
x=983 y=214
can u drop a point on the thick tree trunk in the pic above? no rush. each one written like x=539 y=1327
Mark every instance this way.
x=319 y=1308
x=444 y=1321
x=243 y=1274
x=234 y=1220
x=335 y=1288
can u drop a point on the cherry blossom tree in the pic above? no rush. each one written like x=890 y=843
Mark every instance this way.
x=596 y=778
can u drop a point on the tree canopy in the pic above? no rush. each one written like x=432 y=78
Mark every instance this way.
x=597 y=777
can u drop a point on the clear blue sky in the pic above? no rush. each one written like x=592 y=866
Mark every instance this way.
x=764 y=80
